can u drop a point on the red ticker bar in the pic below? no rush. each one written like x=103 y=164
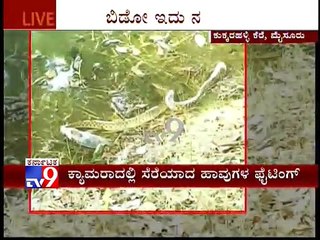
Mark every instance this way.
x=168 y=176
x=279 y=37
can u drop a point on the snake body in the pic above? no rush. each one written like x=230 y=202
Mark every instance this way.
x=120 y=125
x=152 y=113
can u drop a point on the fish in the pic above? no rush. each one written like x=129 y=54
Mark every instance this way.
x=84 y=138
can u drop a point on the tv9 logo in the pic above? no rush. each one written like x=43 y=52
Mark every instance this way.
x=42 y=173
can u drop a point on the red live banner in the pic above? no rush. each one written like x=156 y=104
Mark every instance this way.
x=276 y=37
x=29 y=15
x=178 y=176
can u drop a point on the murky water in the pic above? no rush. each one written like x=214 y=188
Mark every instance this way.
x=183 y=68
x=15 y=83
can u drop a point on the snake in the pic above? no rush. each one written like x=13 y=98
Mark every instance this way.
x=154 y=112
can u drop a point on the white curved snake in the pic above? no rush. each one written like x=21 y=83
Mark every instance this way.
x=169 y=99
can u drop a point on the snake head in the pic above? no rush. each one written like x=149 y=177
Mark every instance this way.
x=221 y=66
x=169 y=100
